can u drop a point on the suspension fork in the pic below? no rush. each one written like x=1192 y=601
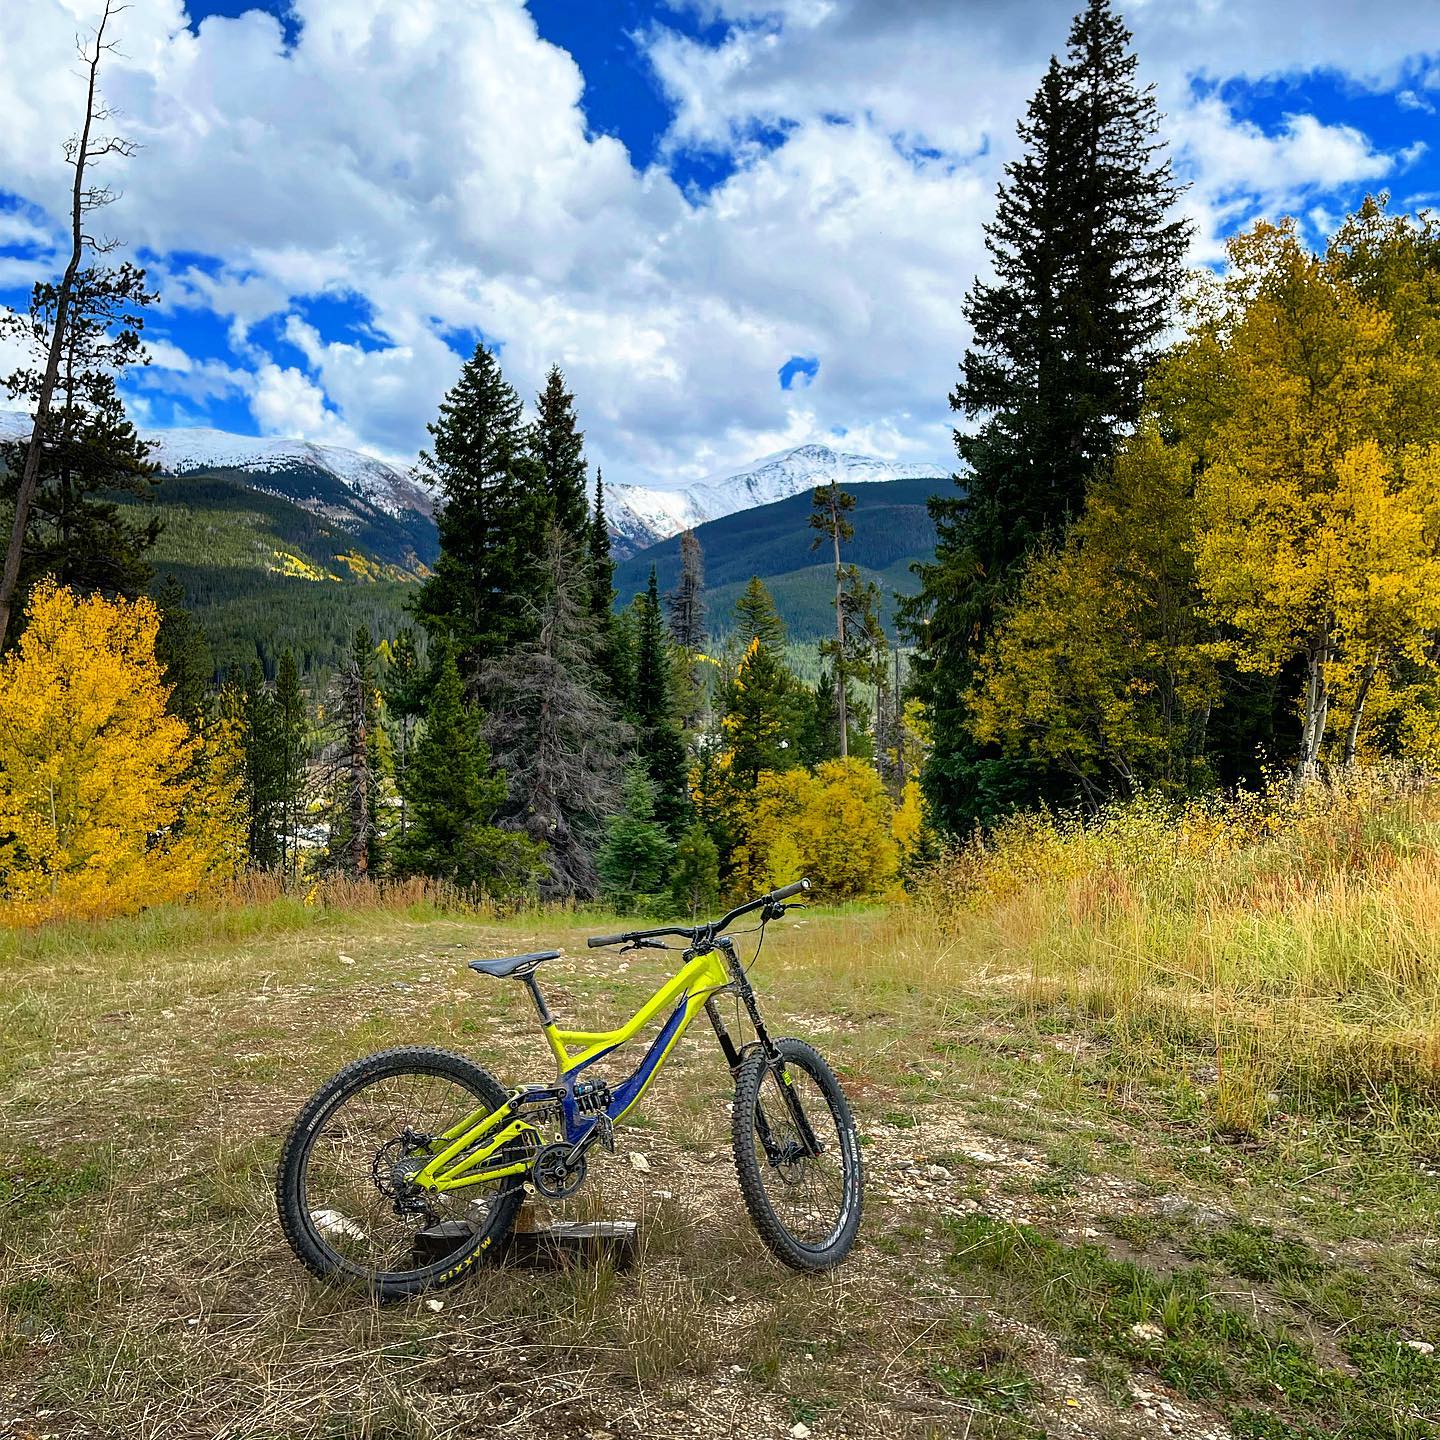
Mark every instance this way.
x=774 y=1061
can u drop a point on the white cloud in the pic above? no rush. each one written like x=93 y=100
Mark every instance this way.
x=431 y=161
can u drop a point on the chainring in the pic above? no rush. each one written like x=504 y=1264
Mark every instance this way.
x=555 y=1175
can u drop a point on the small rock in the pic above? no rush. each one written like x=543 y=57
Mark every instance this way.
x=1420 y=1347
x=664 y=1194
x=800 y=1431
x=345 y=959
x=436 y=1305
x=1148 y=1331
x=639 y=1162
x=983 y=1157
x=937 y=1172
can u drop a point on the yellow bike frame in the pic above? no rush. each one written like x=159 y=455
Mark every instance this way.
x=473 y=1140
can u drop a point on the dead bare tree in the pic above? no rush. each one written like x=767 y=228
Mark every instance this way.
x=80 y=152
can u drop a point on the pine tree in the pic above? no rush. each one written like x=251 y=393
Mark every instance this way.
x=830 y=516
x=405 y=693
x=492 y=519
x=659 y=744
x=292 y=751
x=757 y=619
x=1087 y=261
x=251 y=708
x=453 y=792
x=559 y=446
x=818 y=733
x=355 y=765
x=685 y=616
x=601 y=562
x=181 y=648
x=75 y=530
x=695 y=883
x=761 y=722
x=636 y=855
x=552 y=732
x=685 y=604
x=614 y=645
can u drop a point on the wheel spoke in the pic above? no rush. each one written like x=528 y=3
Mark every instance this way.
x=355 y=1186
x=805 y=1193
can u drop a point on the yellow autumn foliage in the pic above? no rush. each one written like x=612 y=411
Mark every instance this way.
x=1305 y=390
x=108 y=803
x=834 y=825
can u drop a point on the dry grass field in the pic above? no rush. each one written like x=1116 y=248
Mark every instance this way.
x=1150 y=1120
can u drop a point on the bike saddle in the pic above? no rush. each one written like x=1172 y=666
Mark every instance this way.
x=514 y=964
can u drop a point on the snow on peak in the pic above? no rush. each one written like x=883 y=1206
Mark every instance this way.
x=186 y=451
x=642 y=515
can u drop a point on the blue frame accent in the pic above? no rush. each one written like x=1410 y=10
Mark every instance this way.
x=625 y=1093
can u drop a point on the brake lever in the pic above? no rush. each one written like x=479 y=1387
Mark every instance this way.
x=642 y=945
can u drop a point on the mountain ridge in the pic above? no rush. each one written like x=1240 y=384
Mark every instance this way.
x=640 y=516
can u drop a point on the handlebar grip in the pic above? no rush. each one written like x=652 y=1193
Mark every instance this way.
x=786 y=891
x=596 y=941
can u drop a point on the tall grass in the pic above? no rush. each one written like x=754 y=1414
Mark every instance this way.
x=1293 y=931
x=250 y=907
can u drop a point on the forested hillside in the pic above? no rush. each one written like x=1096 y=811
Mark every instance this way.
x=263 y=573
x=893 y=529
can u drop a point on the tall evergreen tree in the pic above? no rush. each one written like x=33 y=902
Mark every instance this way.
x=354 y=765
x=405 y=690
x=685 y=604
x=635 y=858
x=492 y=518
x=614 y=655
x=1087 y=257
x=559 y=446
x=293 y=754
x=658 y=741
x=75 y=531
x=180 y=647
x=685 y=615
x=763 y=719
x=756 y=618
x=552 y=732
x=830 y=515
x=601 y=561
x=453 y=792
x=253 y=707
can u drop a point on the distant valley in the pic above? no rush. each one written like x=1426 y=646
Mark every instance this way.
x=893 y=530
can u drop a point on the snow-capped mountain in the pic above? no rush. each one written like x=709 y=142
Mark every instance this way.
x=182 y=452
x=641 y=515
x=188 y=451
x=328 y=479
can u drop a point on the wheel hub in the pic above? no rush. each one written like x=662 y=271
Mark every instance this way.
x=394 y=1168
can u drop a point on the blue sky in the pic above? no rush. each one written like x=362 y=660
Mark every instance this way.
x=737 y=224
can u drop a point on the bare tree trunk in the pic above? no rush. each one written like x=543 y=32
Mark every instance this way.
x=899 y=713
x=30 y=472
x=1362 y=693
x=358 y=800
x=840 y=704
x=1317 y=706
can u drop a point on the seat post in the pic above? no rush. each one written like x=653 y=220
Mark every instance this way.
x=546 y=1018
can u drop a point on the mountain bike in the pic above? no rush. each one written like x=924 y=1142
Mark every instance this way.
x=409 y=1165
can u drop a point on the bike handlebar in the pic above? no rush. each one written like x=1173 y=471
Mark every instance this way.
x=693 y=932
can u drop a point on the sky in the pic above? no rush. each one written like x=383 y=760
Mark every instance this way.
x=737 y=225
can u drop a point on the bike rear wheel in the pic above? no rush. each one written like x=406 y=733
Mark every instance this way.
x=342 y=1189
x=805 y=1206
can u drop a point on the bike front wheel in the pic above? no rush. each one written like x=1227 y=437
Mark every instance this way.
x=798 y=1156
x=343 y=1190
